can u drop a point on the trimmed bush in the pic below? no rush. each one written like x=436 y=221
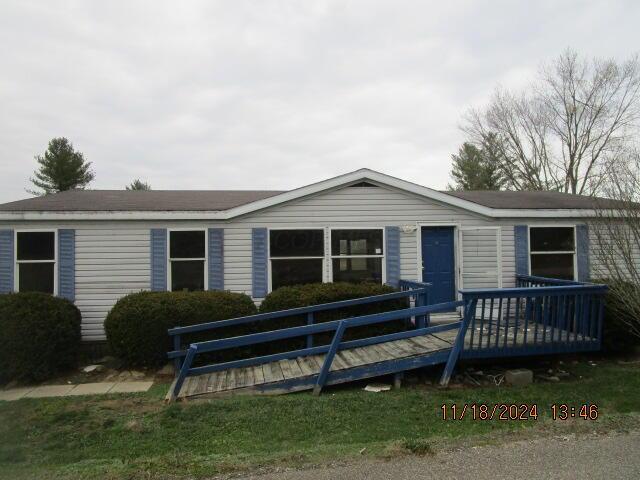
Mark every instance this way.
x=39 y=334
x=616 y=334
x=137 y=325
x=316 y=293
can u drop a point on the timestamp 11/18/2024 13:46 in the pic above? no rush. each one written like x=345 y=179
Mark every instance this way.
x=523 y=411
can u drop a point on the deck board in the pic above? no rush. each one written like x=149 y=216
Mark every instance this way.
x=258 y=374
x=217 y=381
x=290 y=369
x=352 y=359
x=306 y=368
x=339 y=362
x=272 y=372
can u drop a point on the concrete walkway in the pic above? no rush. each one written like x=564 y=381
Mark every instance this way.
x=74 y=389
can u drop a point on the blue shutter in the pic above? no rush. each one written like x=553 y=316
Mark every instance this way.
x=521 y=234
x=259 y=262
x=216 y=259
x=159 y=259
x=67 y=264
x=392 y=238
x=6 y=261
x=582 y=252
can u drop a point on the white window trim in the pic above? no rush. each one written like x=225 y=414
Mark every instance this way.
x=383 y=256
x=323 y=257
x=205 y=259
x=573 y=252
x=16 y=262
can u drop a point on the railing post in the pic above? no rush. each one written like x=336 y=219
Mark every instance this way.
x=310 y=336
x=420 y=319
x=601 y=319
x=425 y=302
x=186 y=365
x=586 y=313
x=177 y=363
x=470 y=310
x=326 y=366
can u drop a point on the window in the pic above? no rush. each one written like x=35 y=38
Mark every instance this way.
x=357 y=255
x=36 y=261
x=297 y=257
x=187 y=258
x=552 y=252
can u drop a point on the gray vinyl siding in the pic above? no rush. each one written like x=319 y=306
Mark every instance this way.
x=597 y=270
x=110 y=263
x=113 y=258
x=480 y=258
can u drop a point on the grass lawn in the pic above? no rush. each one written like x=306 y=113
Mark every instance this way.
x=138 y=436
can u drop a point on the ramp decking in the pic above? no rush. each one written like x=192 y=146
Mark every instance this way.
x=266 y=377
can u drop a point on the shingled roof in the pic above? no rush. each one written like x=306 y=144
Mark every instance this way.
x=229 y=203
x=532 y=200
x=138 y=200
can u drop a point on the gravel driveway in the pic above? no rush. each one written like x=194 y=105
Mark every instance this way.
x=614 y=455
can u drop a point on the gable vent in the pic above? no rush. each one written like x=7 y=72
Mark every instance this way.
x=363 y=184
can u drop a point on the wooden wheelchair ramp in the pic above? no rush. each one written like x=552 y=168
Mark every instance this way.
x=558 y=317
x=301 y=373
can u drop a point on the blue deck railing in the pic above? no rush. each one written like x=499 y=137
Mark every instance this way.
x=546 y=316
x=536 y=281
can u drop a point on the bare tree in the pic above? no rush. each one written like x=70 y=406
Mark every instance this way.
x=616 y=241
x=569 y=128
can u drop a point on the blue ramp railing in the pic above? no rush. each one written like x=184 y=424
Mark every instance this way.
x=416 y=291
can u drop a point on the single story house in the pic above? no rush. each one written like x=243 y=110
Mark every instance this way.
x=94 y=246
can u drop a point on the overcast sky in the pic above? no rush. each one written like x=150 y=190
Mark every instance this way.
x=271 y=94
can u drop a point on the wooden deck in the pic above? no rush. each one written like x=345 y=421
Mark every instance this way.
x=263 y=378
x=494 y=335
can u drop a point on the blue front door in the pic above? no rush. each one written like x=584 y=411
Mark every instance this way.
x=438 y=263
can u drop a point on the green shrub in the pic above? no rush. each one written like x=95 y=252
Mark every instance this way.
x=616 y=333
x=39 y=334
x=137 y=325
x=316 y=293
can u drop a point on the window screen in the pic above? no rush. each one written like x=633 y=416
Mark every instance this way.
x=297 y=257
x=357 y=255
x=187 y=258
x=552 y=252
x=296 y=243
x=35 y=258
x=356 y=242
